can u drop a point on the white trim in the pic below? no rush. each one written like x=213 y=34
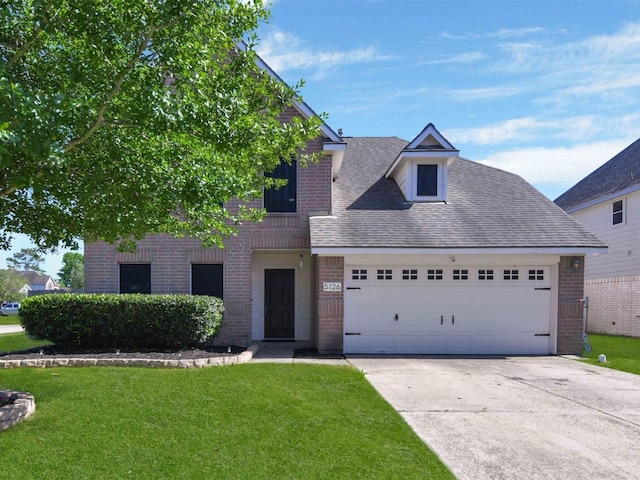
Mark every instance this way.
x=553 y=314
x=606 y=198
x=441 y=186
x=340 y=251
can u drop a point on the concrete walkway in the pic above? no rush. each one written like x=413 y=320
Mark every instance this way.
x=284 y=352
x=517 y=417
x=10 y=329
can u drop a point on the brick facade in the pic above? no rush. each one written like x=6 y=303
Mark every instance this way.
x=614 y=305
x=330 y=307
x=570 y=307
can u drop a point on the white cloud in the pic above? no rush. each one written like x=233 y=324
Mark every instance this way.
x=563 y=165
x=462 y=58
x=284 y=51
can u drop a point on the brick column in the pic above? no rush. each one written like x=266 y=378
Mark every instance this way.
x=330 y=305
x=570 y=307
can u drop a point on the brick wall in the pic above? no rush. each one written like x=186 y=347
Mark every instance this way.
x=171 y=258
x=330 y=305
x=570 y=307
x=614 y=305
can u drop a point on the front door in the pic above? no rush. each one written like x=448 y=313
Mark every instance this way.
x=279 y=307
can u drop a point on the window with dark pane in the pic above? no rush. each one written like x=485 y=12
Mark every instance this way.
x=461 y=274
x=434 y=274
x=427 y=185
x=409 y=274
x=357 y=274
x=511 y=274
x=284 y=198
x=207 y=279
x=618 y=212
x=135 y=278
x=536 y=274
x=385 y=275
x=485 y=274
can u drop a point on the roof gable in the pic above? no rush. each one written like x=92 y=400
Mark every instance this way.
x=619 y=175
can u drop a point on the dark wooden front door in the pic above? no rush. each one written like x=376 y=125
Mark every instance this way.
x=279 y=305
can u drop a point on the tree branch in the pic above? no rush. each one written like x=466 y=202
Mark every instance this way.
x=39 y=27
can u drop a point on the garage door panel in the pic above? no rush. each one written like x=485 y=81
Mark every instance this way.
x=451 y=317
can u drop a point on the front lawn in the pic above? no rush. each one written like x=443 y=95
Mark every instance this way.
x=11 y=342
x=10 y=320
x=253 y=421
x=623 y=353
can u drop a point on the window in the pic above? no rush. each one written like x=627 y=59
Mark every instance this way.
x=434 y=274
x=485 y=274
x=207 y=279
x=385 y=275
x=135 y=278
x=461 y=274
x=536 y=274
x=511 y=274
x=358 y=274
x=618 y=212
x=282 y=199
x=427 y=184
x=409 y=274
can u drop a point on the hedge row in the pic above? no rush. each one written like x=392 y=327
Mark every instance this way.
x=122 y=321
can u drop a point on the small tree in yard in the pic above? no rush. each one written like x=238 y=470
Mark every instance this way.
x=10 y=283
x=123 y=118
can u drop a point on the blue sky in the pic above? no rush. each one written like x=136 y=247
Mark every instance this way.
x=549 y=90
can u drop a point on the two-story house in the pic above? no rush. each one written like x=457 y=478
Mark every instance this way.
x=607 y=203
x=382 y=246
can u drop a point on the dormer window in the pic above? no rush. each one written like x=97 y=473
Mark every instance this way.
x=420 y=170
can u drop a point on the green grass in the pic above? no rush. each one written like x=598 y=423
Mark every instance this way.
x=623 y=353
x=11 y=342
x=252 y=421
x=10 y=320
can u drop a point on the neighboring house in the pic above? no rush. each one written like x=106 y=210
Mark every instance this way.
x=382 y=246
x=607 y=203
x=37 y=282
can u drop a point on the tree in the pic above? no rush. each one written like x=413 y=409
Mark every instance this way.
x=26 y=259
x=72 y=272
x=129 y=117
x=10 y=284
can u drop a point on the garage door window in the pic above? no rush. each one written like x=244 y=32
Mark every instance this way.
x=434 y=274
x=385 y=274
x=536 y=274
x=485 y=274
x=511 y=274
x=358 y=274
x=410 y=274
x=461 y=274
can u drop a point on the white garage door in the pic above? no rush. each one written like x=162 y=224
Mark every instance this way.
x=493 y=310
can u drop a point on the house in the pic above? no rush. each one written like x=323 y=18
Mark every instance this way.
x=382 y=246
x=607 y=203
x=37 y=281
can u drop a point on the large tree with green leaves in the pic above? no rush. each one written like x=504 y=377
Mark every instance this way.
x=28 y=259
x=125 y=117
x=72 y=272
x=10 y=283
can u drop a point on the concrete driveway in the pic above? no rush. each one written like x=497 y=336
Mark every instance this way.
x=517 y=417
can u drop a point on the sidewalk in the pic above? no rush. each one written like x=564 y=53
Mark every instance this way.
x=11 y=329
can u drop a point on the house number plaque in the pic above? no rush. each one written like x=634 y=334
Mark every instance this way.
x=331 y=287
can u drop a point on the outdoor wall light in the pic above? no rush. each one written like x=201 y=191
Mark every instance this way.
x=301 y=258
x=575 y=263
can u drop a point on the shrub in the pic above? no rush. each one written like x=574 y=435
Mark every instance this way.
x=122 y=321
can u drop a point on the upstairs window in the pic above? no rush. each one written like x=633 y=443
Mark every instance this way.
x=618 y=212
x=427 y=181
x=283 y=199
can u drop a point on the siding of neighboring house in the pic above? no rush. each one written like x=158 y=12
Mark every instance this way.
x=612 y=281
x=171 y=258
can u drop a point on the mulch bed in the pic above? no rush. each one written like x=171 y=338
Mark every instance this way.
x=52 y=351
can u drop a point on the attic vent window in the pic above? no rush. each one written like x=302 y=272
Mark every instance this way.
x=385 y=275
x=409 y=274
x=435 y=274
x=618 y=212
x=427 y=185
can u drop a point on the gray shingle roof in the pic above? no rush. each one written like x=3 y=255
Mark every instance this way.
x=618 y=174
x=486 y=208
